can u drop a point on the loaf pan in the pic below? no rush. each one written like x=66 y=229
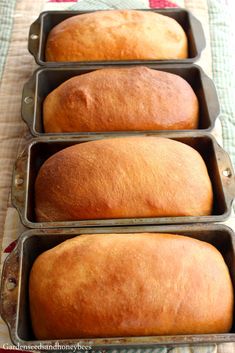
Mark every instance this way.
x=14 y=304
x=27 y=166
x=40 y=29
x=47 y=79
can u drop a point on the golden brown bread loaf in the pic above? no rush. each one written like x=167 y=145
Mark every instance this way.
x=107 y=285
x=117 y=35
x=122 y=178
x=121 y=99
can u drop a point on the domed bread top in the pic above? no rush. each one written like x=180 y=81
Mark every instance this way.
x=123 y=178
x=117 y=35
x=121 y=99
x=114 y=285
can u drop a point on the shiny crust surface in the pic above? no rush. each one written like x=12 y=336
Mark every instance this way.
x=122 y=99
x=117 y=35
x=123 y=178
x=108 y=285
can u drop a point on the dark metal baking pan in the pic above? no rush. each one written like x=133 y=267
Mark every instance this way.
x=40 y=29
x=27 y=166
x=14 y=304
x=46 y=80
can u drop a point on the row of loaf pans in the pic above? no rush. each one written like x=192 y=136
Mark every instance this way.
x=46 y=80
x=40 y=149
x=14 y=304
x=40 y=29
x=14 y=301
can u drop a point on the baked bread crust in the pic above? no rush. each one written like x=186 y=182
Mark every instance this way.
x=107 y=285
x=121 y=99
x=117 y=35
x=122 y=178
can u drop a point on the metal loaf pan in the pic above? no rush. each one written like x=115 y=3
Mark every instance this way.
x=46 y=80
x=14 y=304
x=40 y=29
x=27 y=166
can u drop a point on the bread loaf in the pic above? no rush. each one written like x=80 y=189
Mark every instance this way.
x=117 y=35
x=122 y=178
x=121 y=99
x=107 y=285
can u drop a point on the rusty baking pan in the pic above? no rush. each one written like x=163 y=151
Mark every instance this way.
x=27 y=166
x=40 y=29
x=14 y=304
x=45 y=80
